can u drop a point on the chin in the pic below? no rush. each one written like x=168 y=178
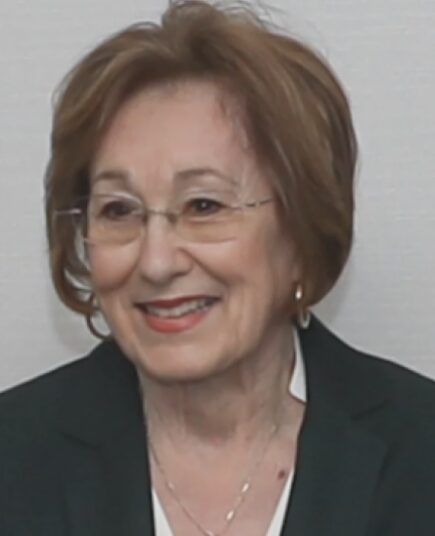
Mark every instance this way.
x=173 y=367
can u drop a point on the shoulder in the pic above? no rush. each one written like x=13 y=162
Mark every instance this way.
x=33 y=454
x=405 y=387
x=406 y=419
x=37 y=401
x=408 y=391
x=355 y=377
x=36 y=415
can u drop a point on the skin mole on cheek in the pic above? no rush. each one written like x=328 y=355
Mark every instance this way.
x=282 y=474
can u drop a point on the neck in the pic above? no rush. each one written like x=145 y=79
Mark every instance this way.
x=236 y=406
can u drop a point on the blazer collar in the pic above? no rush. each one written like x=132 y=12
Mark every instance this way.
x=107 y=477
x=338 y=374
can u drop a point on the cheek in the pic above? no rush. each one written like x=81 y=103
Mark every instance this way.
x=270 y=249
x=274 y=266
x=256 y=269
x=259 y=261
x=110 y=269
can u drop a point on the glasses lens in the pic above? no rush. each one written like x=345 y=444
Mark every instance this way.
x=112 y=219
x=211 y=216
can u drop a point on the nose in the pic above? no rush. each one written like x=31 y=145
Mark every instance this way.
x=162 y=256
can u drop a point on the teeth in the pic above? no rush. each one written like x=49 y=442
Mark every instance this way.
x=180 y=310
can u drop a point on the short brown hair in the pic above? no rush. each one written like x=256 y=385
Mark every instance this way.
x=295 y=113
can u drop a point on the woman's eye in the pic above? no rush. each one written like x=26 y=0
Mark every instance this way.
x=203 y=207
x=115 y=210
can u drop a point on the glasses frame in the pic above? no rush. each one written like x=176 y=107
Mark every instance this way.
x=171 y=215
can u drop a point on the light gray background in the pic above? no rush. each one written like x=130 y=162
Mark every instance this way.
x=384 y=52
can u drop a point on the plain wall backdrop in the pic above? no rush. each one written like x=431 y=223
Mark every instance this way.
x=384 y=53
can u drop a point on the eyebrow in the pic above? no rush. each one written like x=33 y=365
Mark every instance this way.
x=200 y=172
x=111 y=175
x=185 y=174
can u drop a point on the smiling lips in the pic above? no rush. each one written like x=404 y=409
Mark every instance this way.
x=178 y=314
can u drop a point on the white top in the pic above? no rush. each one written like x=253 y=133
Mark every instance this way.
x=298 y=389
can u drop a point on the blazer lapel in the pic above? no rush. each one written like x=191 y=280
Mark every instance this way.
x=339 y=459
x=127 y=477
x=106 y=477
x=336 y=475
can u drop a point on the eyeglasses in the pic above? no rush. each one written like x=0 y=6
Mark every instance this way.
x=117 y=219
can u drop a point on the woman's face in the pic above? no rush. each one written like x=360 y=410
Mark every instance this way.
x=178 y=141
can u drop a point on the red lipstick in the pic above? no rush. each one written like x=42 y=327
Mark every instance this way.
x=176 y=323
x=173 y=302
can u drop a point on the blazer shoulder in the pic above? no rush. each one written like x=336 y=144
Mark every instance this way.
x=403 y=386
x=407 y=388
x=358 y=375
x=37 y=398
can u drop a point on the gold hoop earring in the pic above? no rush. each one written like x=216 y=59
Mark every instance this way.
x=90 y=322
x=303 y=315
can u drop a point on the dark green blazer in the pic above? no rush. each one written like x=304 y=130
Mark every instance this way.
x=73 y=455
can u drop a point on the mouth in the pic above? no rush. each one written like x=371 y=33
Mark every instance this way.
x=179 y=314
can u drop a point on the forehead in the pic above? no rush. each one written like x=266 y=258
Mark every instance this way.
x=168 y=130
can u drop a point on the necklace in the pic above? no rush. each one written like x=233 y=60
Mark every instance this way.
x=231 y=514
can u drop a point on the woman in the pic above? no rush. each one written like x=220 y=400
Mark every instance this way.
x=199 y=195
